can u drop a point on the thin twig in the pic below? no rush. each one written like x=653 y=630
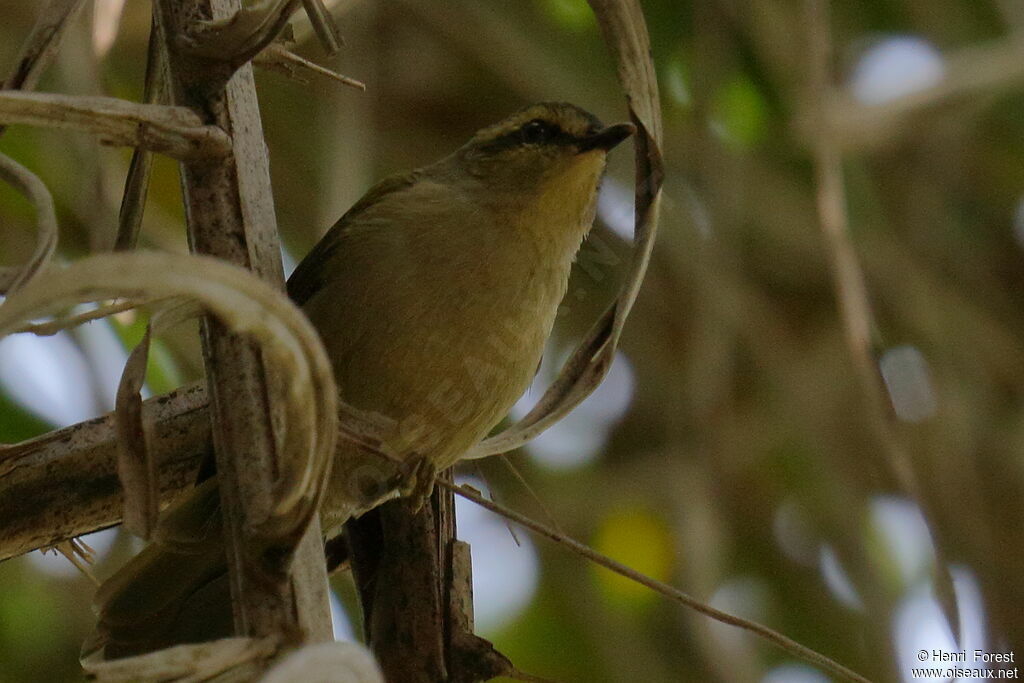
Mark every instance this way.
x=41 y=45
x=851 y=290
x=529 y=489
x=508 y=527
x=324 y=25
x=79 y=554
x=774 y=637
x=175 y=131
x=279 y=58
x=58 y=324
x=136 y=184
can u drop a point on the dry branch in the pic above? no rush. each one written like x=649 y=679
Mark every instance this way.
x=323 y=24
x=76 y=468
x=70 y=474
x=277 y=576
x=246 y=306
x=175 y=131
x=415 y=589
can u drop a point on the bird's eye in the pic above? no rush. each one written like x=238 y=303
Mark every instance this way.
x=536 y=132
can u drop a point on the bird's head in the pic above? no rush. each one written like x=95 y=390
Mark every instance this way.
x=548 y=149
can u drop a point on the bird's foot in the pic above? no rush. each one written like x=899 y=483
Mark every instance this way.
x=418 y=481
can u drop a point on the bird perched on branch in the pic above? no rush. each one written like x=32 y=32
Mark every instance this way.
x=434 y=296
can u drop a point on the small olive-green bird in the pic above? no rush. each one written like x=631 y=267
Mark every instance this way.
x=434 y=296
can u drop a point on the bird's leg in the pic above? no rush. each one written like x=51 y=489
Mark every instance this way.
x=418 y=479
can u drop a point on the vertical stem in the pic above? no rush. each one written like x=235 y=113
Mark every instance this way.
x=415 y=583
x=230 y=213
x=396 y=565
x=852 y=294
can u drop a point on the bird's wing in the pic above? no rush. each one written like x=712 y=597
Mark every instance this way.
x=308 y=276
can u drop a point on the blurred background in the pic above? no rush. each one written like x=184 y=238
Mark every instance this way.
x=732 y=451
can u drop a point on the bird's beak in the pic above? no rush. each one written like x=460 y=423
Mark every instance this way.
x=607 y=137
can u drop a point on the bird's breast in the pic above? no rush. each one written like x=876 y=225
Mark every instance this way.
x=438 y=330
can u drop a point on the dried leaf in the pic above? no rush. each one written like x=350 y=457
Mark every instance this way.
x=29 y=184
x=234 y=658
x=243 y=303
x=135 y=466
x=626 y=34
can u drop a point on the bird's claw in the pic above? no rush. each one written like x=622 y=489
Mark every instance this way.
x=418 y=482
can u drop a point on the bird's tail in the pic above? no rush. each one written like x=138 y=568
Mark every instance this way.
x=175 y=591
